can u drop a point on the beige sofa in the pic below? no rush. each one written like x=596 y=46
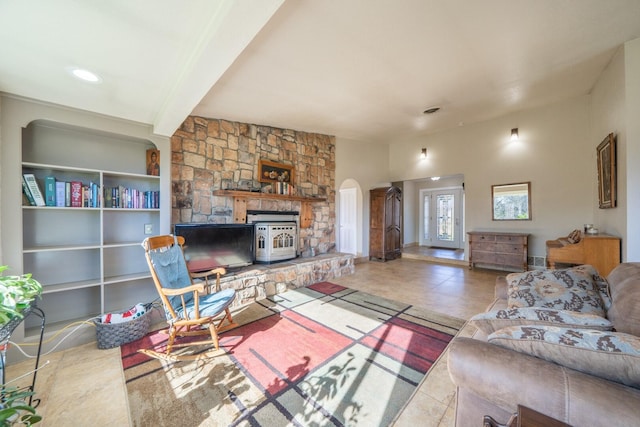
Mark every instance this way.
x=493 y=379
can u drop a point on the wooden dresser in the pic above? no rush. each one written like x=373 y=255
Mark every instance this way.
x=503 y=250
x=385 y=231
x=602 y=251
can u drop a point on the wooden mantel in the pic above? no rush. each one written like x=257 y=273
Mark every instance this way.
x=240 y=204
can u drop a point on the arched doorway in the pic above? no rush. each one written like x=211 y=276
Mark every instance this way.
x=349 y=215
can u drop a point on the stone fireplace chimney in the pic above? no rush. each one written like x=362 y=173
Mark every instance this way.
x=207 y=152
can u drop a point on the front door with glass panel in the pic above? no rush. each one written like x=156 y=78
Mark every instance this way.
x=441 y=218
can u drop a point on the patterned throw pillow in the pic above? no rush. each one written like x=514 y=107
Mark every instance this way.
x=572 y=289
x=492 y=321
x=603 y=289
x=611 y=355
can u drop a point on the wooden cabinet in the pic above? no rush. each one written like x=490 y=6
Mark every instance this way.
x=503 y=250
x=385 y=231
x=602 y=251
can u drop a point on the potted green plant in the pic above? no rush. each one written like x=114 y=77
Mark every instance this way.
x=16 y=294
x=14 y=410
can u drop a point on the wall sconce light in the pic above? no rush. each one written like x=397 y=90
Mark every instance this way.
x=423 y=154
x=514 y=134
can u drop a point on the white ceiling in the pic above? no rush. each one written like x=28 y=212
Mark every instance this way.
x=357 y=69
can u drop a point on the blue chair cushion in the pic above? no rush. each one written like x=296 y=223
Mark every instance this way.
x=172 y=272
x=210 y=305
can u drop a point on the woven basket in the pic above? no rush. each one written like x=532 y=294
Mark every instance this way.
x=111 y=335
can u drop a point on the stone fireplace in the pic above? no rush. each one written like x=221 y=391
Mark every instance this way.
x=207 y=152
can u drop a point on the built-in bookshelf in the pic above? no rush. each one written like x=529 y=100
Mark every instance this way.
x=88 y=258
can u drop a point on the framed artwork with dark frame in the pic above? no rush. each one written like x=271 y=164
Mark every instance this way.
x=607 y=172
x=275 y=172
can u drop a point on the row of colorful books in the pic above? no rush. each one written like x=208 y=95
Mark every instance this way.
x=283 y=188
x=75 y=194
x=130 y=198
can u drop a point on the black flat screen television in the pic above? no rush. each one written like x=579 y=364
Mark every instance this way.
x=208 y=246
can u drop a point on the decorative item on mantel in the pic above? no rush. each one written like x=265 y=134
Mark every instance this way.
x=275 y=172
x=283 y=188
x=277 y=176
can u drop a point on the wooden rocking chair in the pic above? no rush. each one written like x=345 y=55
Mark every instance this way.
x=192 y=308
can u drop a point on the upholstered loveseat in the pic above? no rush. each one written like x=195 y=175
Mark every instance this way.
x=565 y=343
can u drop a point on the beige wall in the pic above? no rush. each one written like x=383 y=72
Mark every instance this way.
x=607 y=116
x=631 y=245
x=556 y=152
x=368 y=165
x=553 y=153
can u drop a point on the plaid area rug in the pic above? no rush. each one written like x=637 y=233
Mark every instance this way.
x=323 y=355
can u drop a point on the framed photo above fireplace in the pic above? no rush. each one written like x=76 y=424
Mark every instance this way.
x=275 y=172
x=607 y=172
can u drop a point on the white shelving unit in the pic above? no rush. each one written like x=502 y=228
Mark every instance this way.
x=89 y=260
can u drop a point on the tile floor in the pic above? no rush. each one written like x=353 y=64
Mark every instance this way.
x=85 y=386
x=433 y=253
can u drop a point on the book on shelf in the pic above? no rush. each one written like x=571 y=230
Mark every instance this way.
x=76 y=194
x=60 y=193
x=107 y=196
x=67 y=194
x=86 y=196
x=282 y=188
x=50 y=190
x=91 y=196
x=95 y=195
x=122 y=197
x=34 y=189
x=27 y=193
x=25 y=200
x=115 y=197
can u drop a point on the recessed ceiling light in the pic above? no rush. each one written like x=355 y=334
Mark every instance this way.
x=435 y=178
x=431 y=110
x=86 y=75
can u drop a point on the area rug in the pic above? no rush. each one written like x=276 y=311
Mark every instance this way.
x=323 y=355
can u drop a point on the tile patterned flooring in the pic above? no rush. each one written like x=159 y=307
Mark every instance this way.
x=85 y=386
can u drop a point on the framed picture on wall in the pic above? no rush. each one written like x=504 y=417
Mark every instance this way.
x=275 y=172
x=153 y=162
x=607 y=172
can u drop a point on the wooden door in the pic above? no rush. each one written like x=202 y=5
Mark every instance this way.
x=376 y=223
x=393 y=224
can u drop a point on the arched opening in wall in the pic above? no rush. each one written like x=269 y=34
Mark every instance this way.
x=434 y=218
x=349 y=217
